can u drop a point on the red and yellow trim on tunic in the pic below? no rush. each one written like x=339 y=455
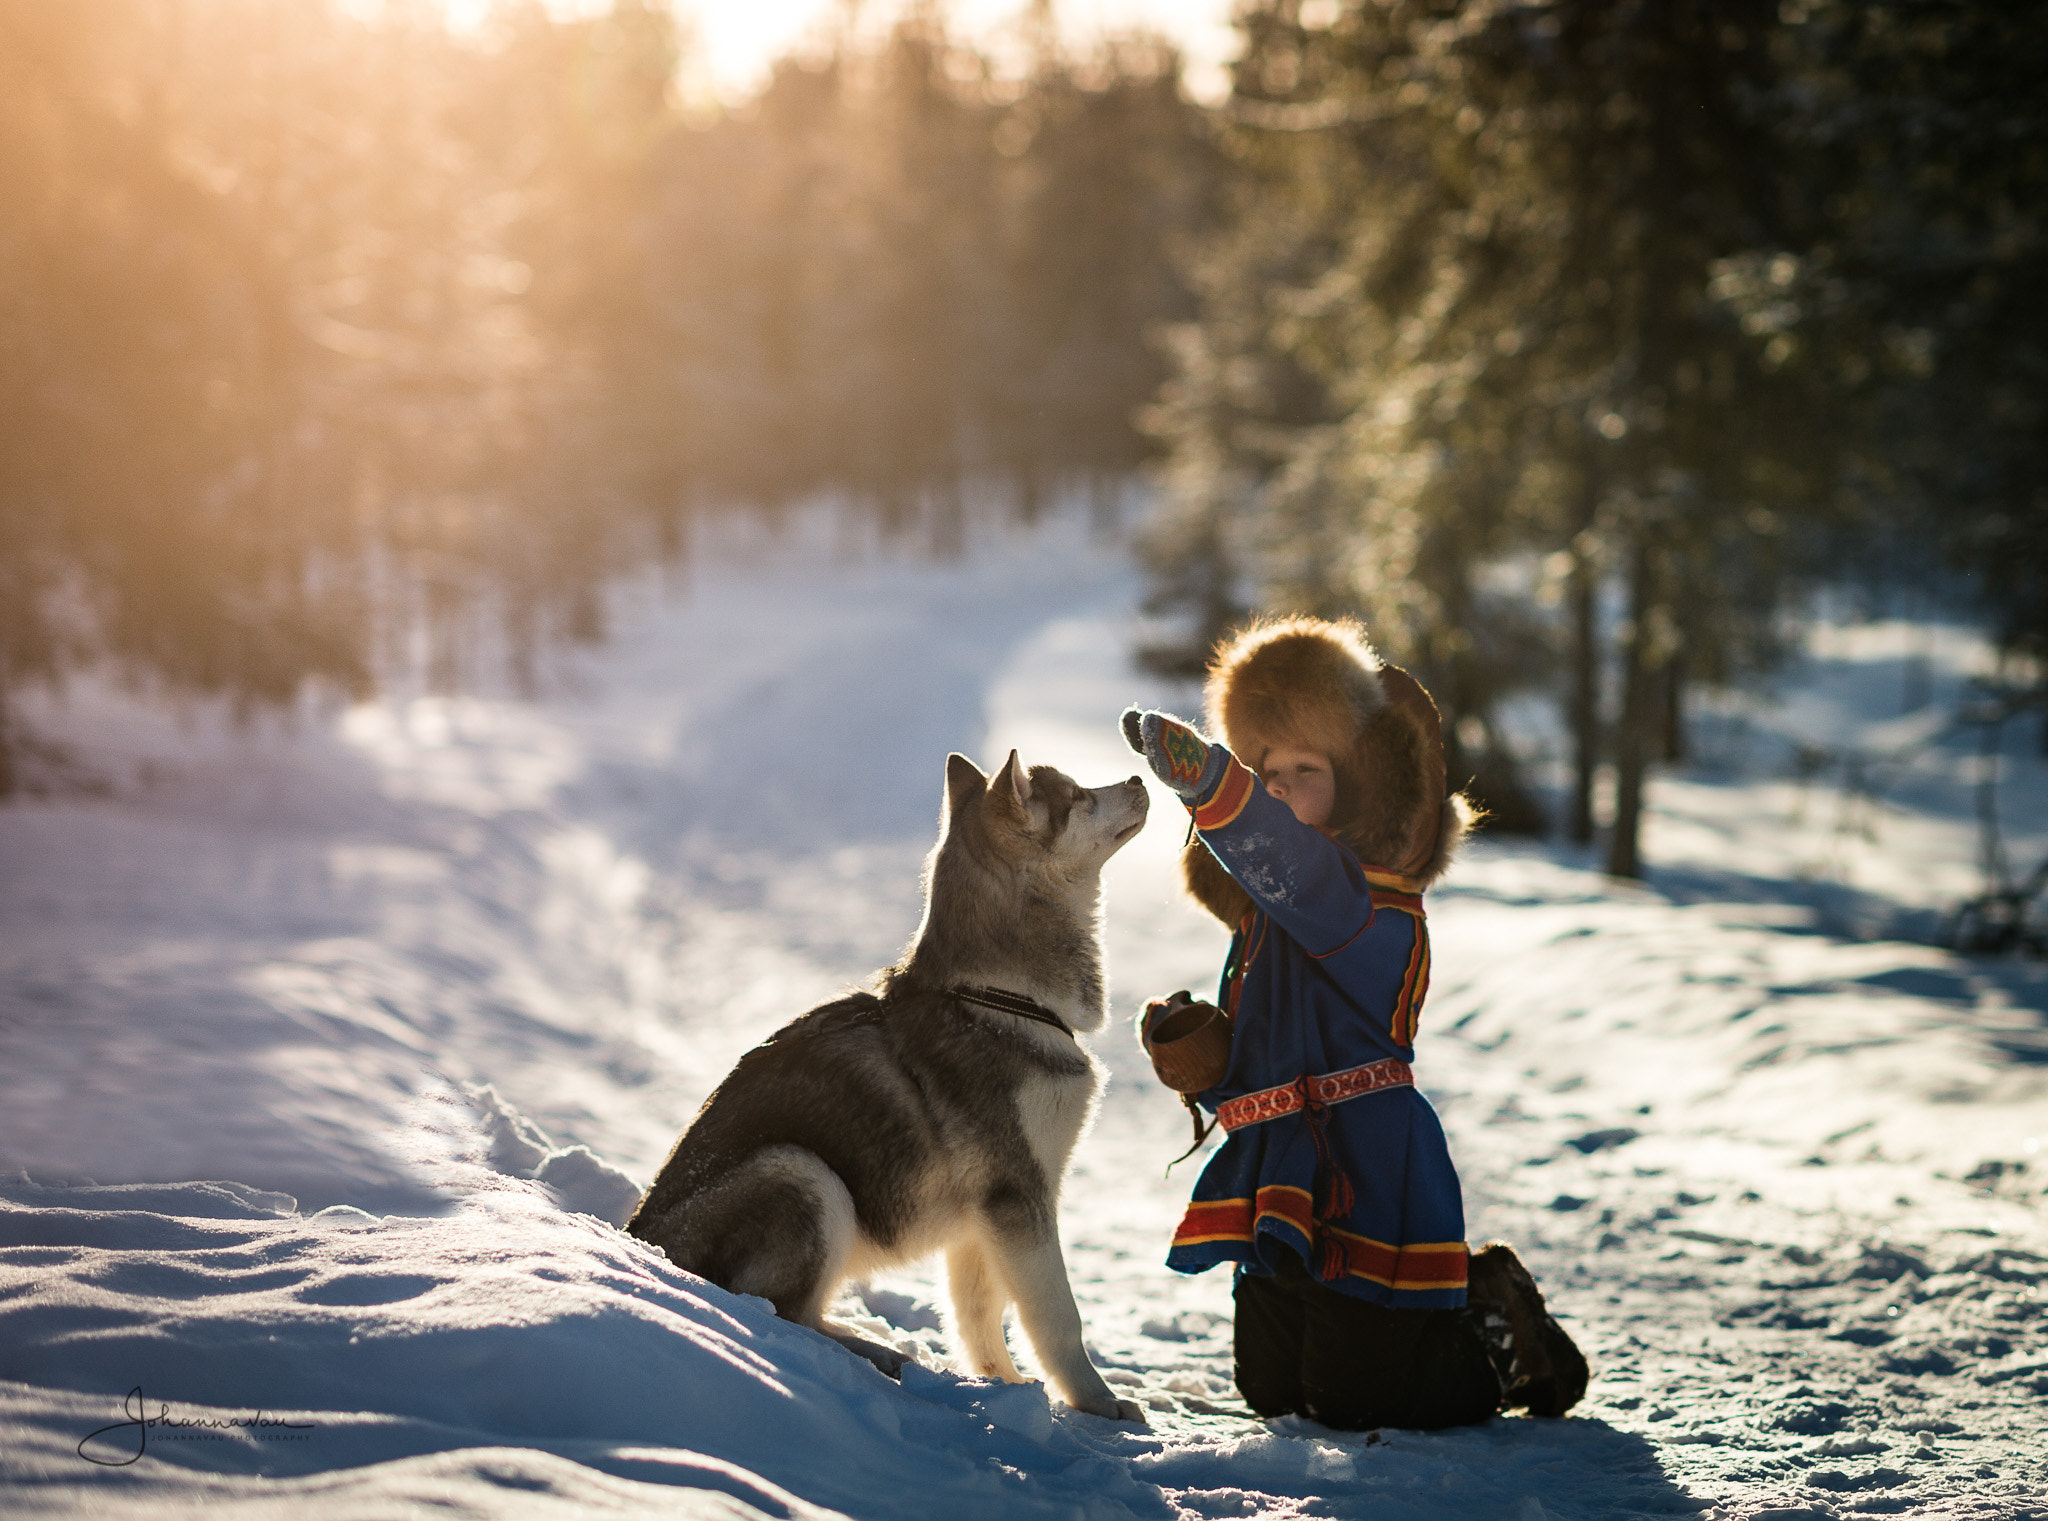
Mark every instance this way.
x=1227 y=799
x=1414 y=985
x=1414 y=1267
x=1392 y=890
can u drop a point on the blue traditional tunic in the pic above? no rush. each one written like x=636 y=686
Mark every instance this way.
x=1325 y=977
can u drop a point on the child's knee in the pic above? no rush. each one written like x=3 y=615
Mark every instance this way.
x=1415 y=1369
x=1267 y=1346
x=1270 y=1390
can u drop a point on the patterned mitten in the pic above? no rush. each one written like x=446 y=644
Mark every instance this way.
x=1178 y=756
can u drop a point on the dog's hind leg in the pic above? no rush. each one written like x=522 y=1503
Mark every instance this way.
x=807 y=1232
x=1037 y=1275
x=835 y=1233
x=782 y=1226
x=978 y=1300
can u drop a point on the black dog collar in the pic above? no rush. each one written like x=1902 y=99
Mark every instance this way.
x=1013 y=1003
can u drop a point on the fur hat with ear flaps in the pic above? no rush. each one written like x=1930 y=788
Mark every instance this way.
x=1308 y=684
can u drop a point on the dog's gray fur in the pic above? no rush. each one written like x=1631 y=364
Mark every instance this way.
x=882 y=1127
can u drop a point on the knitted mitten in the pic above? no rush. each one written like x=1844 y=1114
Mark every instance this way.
x=1178 y=756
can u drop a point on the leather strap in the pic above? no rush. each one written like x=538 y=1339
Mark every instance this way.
x=1013 y=1003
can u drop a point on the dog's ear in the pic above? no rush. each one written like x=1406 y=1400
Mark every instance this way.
x=963 y=780
x=1014 y=783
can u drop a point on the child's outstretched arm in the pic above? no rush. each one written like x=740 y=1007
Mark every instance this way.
x=1312 y=886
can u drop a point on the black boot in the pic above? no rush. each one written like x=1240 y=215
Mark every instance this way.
x=1540 y=1366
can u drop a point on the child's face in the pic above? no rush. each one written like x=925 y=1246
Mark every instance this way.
x=1303 y=780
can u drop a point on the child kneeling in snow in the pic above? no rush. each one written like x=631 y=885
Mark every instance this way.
x=1358 y=1303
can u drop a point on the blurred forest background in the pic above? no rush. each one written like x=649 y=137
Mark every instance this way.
x=1570 y=344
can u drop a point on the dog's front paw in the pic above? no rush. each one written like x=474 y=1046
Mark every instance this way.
x=1113 y=1409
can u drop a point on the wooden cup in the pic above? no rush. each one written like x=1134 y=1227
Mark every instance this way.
x=1189 y=1043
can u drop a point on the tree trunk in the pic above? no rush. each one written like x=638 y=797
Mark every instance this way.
x=1673 y=685
x=1582 y=595
x=1624 y=857
x=1030 y=491
x=1583 y=711
x=1105 y=502
x=949 y=518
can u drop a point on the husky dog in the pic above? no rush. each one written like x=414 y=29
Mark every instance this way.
x=938 y=1114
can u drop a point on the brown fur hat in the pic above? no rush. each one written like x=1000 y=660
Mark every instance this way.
x=1310 y=684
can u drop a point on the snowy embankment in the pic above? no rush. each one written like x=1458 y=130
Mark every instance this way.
x=1786 y=1186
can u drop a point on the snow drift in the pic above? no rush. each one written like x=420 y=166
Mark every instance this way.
x=426 y=985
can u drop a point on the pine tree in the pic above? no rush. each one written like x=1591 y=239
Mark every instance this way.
x=1487 y=240
x=1926 y=302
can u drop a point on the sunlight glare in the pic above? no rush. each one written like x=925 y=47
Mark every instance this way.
x=738 y=41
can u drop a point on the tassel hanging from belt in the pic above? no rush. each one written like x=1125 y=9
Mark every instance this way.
x=1334 y=1194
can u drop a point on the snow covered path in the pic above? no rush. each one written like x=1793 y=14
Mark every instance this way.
x=1785 y=1186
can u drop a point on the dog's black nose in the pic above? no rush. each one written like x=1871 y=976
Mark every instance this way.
x=1135 y=781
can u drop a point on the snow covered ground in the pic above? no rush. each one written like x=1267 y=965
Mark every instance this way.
x=311 y=1033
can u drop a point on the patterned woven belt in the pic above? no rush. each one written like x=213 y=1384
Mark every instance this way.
x=1330 y=1088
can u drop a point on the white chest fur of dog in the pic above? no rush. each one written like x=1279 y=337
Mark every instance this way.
x=938 y=1114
